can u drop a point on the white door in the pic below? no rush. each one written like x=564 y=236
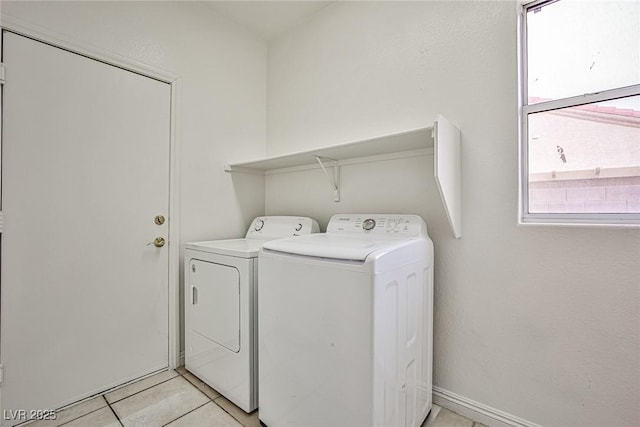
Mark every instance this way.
x=85 y=169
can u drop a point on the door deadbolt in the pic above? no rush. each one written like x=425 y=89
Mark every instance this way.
x=159 y=219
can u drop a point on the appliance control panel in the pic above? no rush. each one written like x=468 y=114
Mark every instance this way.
x=273 y=227
x=378 y=224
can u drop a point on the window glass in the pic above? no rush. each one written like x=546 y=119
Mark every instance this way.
x=585 y=159
x=578 y=47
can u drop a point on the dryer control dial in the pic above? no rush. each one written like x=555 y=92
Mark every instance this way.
x=259 y=225
x=369 y=224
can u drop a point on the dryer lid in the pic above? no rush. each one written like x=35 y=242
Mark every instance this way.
x=333 y=246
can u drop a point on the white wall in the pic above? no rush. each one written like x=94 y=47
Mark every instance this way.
x=542 y=323
x=222 y=105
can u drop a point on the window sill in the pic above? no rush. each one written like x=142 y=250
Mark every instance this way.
x=609 y=223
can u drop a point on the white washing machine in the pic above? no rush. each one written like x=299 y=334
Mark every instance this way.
x=220 y=307
x=346 y=324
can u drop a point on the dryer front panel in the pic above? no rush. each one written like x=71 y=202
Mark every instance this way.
x=215 y=302
x=220 y=310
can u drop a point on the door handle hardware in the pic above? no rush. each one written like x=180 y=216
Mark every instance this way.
x=158 y=242
x=159 y=219
x=194 y=295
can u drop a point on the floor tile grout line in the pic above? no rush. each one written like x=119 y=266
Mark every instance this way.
x=202 y=391
x=113 y=410
x=65 y=407
x=103 y=395
x=139 y=391
x=184 y=415
x=83 y=415
x=161 y=382
x=213 y=400
x=209 y=400
x=224 y=409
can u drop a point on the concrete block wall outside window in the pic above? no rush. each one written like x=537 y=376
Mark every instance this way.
x=596 y=195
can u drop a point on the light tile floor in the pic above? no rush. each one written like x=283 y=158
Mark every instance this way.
x=179 y=399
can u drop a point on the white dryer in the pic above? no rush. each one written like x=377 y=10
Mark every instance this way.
x=346 y=324
x=220 y=307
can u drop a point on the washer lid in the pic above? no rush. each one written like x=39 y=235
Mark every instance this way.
x=242 y=248
x=353 y=248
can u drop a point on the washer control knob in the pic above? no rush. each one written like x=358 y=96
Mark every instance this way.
x=259 y=225
x=369 y=224
x=298 y=227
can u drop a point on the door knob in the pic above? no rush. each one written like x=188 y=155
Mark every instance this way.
x=158 y=242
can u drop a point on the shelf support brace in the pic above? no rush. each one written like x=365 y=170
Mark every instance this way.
x=334 y=181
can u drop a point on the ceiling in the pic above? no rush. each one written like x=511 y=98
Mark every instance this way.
x=268 y=19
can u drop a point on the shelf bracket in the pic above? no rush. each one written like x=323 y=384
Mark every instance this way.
x=334 y=181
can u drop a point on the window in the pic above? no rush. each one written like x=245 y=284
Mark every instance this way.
x=580 y=112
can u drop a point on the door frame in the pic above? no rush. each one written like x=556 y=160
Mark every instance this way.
x=61 y=41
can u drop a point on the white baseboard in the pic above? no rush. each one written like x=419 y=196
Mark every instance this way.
x=477 y=411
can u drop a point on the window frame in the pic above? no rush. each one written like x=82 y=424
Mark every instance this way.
x=525 y=109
